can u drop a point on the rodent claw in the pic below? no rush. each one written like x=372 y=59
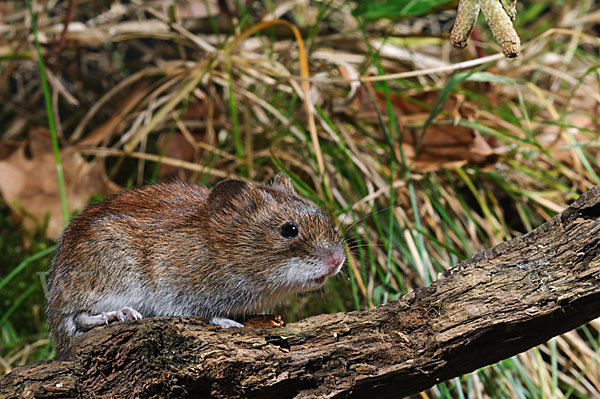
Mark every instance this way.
x=224 y=322
x=107 y=318
x=131 y=313
x=85 y=322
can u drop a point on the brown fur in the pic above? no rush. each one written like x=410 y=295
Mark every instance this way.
x=179 y=249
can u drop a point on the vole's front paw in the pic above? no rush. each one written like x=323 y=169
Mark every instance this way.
x=223 y=322
x=130 y=314
x=120 y=315
x=85 y=322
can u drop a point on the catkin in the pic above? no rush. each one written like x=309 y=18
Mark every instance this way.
x=501 y=27
x=510 y=6
x=468 y=10
x=498 y=14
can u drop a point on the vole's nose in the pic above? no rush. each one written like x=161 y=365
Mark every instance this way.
x=334 y=259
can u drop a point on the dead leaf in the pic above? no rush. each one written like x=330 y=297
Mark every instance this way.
x=7 y=147
x=178 y=147
x=185 y=144
x=266 y=320
x=29 y=186
x=442 y=145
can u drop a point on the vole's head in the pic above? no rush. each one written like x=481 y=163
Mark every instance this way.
x=272 y=236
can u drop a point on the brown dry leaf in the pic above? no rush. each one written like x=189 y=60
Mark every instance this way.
x=7 y=147
x=28 y=182
x=442 y=145
x=184 y=144
x=179 y=148
x=266 y=320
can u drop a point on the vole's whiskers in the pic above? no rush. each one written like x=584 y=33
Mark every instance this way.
x=387 y=208
x=366 y=245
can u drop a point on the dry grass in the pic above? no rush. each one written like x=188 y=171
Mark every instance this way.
x=150 y=94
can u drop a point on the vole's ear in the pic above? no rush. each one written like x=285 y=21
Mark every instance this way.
x=282 y=182
x=226 y=192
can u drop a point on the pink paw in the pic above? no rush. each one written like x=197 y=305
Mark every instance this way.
x=121 y=315
x=84 y=322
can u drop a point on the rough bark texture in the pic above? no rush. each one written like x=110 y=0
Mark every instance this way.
x=500 y=302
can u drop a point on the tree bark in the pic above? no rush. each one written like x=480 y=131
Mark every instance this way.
x=498 y=303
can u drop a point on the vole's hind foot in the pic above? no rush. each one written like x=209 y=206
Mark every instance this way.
x=85 y=322
x=223 y=322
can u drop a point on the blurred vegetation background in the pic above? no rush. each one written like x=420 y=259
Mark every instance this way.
x=421 y=161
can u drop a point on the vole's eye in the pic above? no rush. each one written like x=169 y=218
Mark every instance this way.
x=289 y=230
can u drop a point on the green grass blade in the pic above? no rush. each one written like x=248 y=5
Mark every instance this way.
x=52 y=126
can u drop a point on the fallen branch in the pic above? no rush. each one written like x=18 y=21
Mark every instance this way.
x=498 y=303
